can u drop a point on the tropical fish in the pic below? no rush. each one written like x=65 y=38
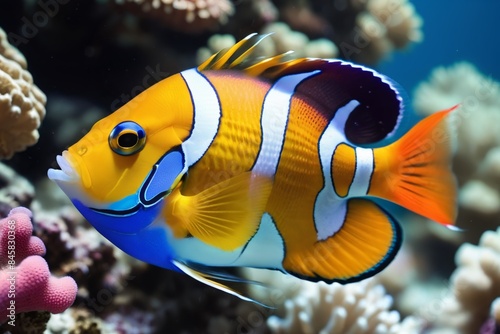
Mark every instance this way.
x=265 y=163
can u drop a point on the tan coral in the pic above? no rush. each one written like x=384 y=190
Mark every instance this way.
x=386 y=25
x=9 y=52
x=284 y=39
x=475 y=288
x=400 y=20
x=192 y=16
x=365 y=31
x=22 y=104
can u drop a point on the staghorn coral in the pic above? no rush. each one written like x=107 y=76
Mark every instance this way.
x=193 y=16
x=22 y=104
x=306 y=307
x=475 y=289
x=26 y=283
x=477 y=158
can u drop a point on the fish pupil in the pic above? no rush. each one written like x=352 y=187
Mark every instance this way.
x=128 y=140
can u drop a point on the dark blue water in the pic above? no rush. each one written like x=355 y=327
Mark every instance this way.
x=453 y=31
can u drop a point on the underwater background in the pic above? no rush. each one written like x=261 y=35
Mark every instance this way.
x=64 y=64
x=453 y=31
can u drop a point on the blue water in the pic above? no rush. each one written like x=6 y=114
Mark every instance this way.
x=453 y=31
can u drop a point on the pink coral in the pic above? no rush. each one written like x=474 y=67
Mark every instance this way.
x=24 y=244
x=25 y=280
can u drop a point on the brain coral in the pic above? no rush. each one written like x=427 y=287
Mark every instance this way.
x=22 y=103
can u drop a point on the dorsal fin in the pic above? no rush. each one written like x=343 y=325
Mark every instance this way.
x=239 y=56
x=381 y=106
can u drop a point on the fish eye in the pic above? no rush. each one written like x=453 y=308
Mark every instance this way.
x=127 y=138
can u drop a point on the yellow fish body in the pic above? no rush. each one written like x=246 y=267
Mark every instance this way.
x=260 y=163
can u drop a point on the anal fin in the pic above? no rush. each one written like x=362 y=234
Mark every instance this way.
x=367 y=241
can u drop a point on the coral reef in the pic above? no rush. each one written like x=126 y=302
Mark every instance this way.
x=306 y=307
x=14 y=189
x=478 y=139
x=474 y=295
x=364 y=31
x=360 y=31
x=284 y=39
x=22 y=104
x=26 y=283
x=193 y=16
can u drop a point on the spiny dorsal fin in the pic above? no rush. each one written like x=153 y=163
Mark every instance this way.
x=239 y=57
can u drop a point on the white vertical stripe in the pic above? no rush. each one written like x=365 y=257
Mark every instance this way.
x=330 y=209
x=363 y=173
x=207 y=113
x=331 y=138
x=274 y=119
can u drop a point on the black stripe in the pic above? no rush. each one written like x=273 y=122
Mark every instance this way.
x=118 y=213
x=371 y=174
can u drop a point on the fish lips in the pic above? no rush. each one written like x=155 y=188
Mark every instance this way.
x=67 y=178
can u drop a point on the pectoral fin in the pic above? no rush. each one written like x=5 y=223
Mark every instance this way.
x=225 y=215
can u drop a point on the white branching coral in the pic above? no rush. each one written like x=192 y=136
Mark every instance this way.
x=307 y=307
x=185 y=15
x=362 y=307
x=22 y=104
x=475 y=288
x=478 y=139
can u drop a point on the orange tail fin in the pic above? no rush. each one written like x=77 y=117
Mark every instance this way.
x=415 y=172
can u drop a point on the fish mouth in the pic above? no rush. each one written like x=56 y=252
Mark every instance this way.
x=66 y=173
